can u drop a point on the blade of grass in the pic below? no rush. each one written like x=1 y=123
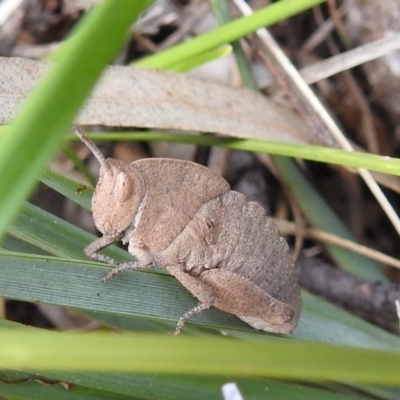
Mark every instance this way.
x=156 y=296
x=57 y=236
x=17 y=245
x=168 y=386
x=17 y=385
x=157 y=386
x=153 y=386
x=373 y=162
x=60 y=282
x=227 y=33
x=187 y=355
x=200 y=59
x=76 y=191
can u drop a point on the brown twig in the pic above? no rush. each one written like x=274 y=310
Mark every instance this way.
x=373 y=301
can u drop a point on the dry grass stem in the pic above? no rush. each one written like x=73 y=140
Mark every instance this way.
x=291 y=228
x=350 y=59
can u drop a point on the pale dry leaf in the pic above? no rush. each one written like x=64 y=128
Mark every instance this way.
x=127 y=97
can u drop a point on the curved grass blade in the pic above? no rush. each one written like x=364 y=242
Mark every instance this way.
x=158 y=297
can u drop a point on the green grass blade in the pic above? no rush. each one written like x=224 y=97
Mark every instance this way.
x=325 y=322
x=158 y=297
x=328 y=155
x=200 y=59
x=150 y=386
x=17 y=245
x=227 y=33
x=21 y=386
x=169 y=386
x=164 y=386
x=75 y=191
x=57 y=236
x=188 y=355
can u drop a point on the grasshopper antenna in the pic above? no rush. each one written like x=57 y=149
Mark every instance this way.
x=92 y=147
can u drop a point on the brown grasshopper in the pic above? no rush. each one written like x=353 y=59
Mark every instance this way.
x=184 y=218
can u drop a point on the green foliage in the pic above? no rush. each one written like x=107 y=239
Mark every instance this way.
x=42 y=260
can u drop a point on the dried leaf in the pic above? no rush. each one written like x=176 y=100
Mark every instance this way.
x=127 y=97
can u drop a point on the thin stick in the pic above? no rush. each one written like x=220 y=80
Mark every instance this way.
x=352 y=58
x=290 y=228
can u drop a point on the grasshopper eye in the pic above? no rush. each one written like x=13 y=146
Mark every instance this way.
x=123 y=187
